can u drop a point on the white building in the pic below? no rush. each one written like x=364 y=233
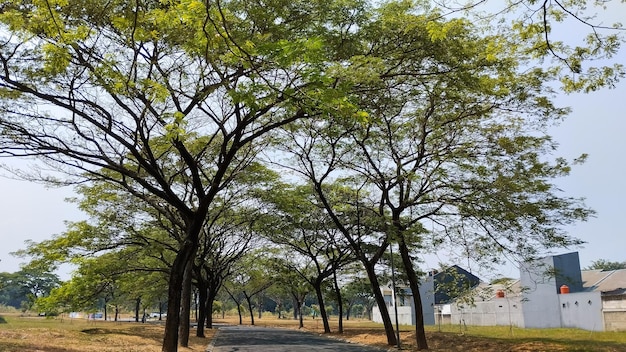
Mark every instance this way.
x=596 y=299
x=551 y=293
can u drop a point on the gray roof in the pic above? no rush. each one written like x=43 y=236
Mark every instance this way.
x=609 y=282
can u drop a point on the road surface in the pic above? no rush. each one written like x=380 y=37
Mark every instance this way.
x=253 y=339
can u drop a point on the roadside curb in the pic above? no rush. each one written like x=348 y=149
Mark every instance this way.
x=211 y=345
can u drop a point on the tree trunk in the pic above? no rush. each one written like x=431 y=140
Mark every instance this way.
x=185 y=307
x=105 y=310
x=160 y=310
x=369 y=307
x=195 y=304
x=170 y=338
x=382 y=305
x=137 y=308
x=209 y=312
x=296 y=307
x=202 y=310
x=320 y=299
x=339 y=302
x=117 y=313
x=420 y=335
x=249 y=301
x=211 y=295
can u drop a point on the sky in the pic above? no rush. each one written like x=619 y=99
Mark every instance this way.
x=596 y=126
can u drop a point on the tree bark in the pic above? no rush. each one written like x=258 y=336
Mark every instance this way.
x=202 y=309
x=212 y=294
x=339 y=302
x=137 y=308
x=382 y=305
x=320 y=299
x=184 y=255
x=420 y=335
x=209 y=312
x=185 y=307
x=249 y=301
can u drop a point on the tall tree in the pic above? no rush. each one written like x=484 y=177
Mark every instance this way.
x=453 y=139
x=117 y=91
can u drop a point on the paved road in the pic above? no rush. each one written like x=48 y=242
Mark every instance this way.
x=253 y=339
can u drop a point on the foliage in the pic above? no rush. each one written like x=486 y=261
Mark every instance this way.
x=22 y=288
x=606 y=265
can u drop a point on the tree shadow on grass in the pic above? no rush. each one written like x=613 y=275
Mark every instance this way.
x=2 y=320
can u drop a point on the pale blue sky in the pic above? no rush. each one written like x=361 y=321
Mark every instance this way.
x=596 y=126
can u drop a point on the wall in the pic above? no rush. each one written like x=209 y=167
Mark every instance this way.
x=582 y=310
x=614 y=311
x=406 y=315
x=541 y=303
x=499 y=311
x=427 y=295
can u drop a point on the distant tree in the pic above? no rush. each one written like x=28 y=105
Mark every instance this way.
x=304 y=228
x=358 y=291
x=22 y=288
x=606 y=265
x=252 y=277
x=501 y=280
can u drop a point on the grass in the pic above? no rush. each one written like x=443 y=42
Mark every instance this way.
x=32 y=334
x=467 y=339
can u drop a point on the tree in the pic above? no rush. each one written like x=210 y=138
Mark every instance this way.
x=539 y=25
x=226 y=241
x=252 y=276
x=451 y=147
x=358 y=291
x=224 y=73
x=606 y=265
x=302 y=227
x=22 y=288
x=94 y=285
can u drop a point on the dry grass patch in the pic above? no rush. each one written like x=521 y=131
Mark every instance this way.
x=26 y=334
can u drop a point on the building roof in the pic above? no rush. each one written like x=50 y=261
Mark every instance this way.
x=607 y=282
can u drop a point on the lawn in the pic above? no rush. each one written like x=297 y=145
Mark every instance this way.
x=30 y=334
x=35 y=334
